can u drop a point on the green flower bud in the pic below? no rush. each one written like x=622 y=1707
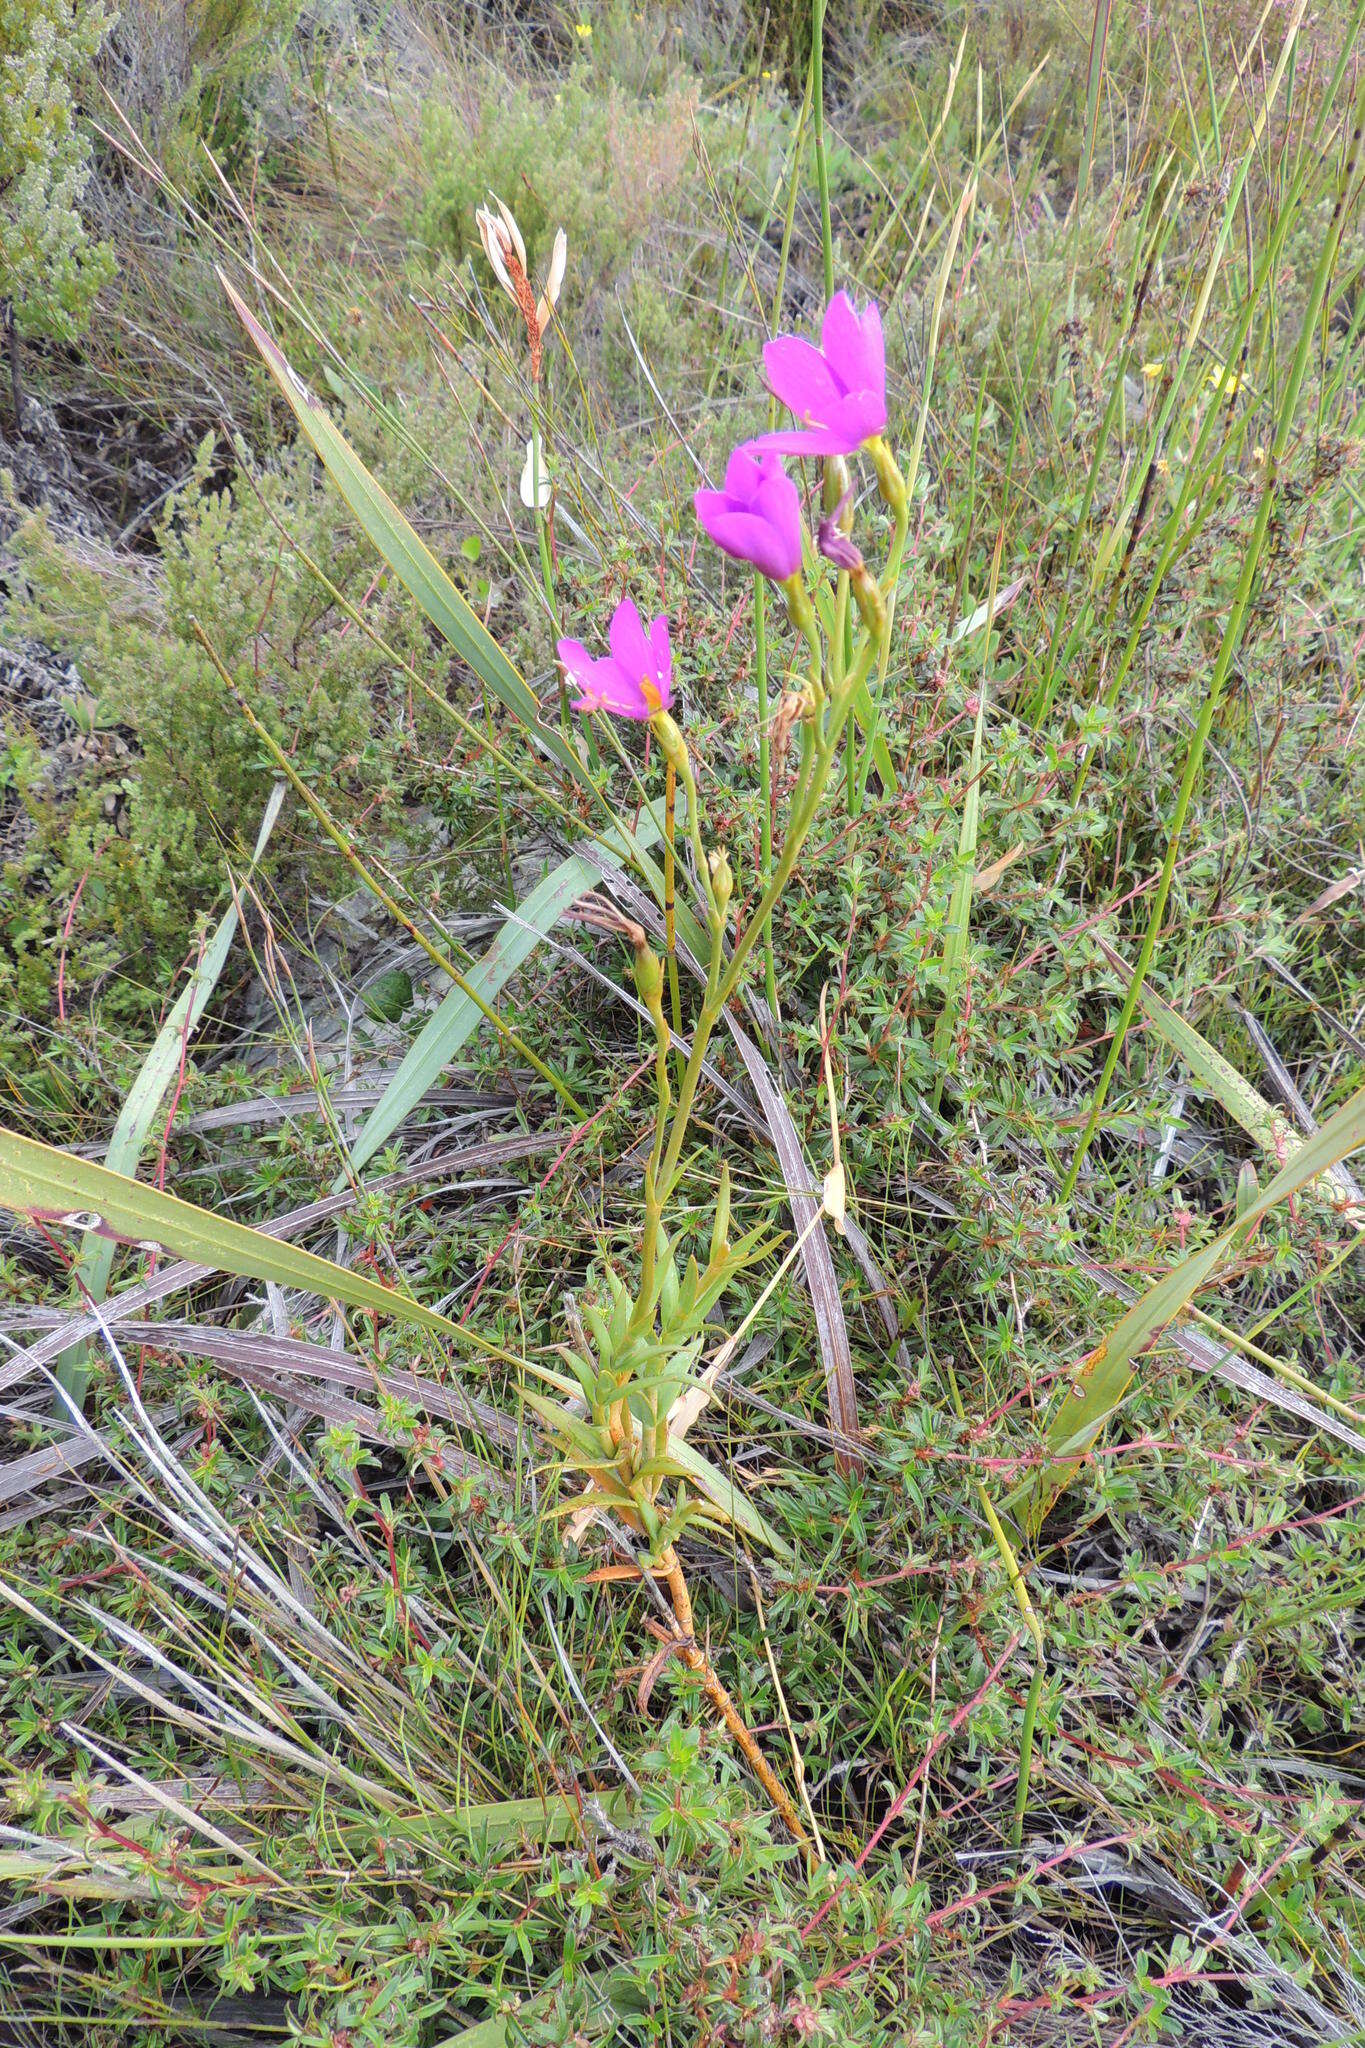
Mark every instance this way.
x=649 y=976
x=800 y=610
x=672 y=745
x=722 y=879
x=837 y=494
x=890 y=482
x=871 y=606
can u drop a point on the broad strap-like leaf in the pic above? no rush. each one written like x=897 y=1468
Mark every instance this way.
x=418 y=570
x=1272 y=1131
x=40 y=1181
x=451 y=1025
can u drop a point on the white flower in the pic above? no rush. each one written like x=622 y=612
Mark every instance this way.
x=535 y=477
x=501 y=238
x=549 y=298
x=506 y=251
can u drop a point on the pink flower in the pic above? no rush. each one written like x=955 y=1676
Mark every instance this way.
x=635 y=680
x=837 y=392
x=757 y=517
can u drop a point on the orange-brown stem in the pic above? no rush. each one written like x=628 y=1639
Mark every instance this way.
x=696 y=1660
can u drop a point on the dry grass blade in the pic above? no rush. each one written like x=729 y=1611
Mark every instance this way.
x=816 y=1258
x=23 y=1476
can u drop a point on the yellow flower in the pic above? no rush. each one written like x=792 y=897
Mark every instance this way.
x=1226 y=382
x=582 y=28
x=1151 y=371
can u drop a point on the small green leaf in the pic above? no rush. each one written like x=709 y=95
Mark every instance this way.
x=389 y=996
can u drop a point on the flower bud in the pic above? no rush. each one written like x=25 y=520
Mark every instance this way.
x=890 y=482
x=834 y=544
x=672 y=745
x=722 y=879
x=837 y=493
x=871 y=606
x=649 y=975
x=800 y=610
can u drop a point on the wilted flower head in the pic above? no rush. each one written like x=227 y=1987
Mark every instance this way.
x=635 y=680
x=837 y=392
x=833 y=542
x=757 y=516
x=506 y=251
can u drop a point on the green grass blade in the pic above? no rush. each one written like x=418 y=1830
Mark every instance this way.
x=144 y=1097
x=1244 y=1104
x=958 y=933
x=40 y=1181
x=449 y=1027
x=1096 y=1390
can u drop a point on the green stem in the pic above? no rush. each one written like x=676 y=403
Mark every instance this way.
x=765 y=786
x=817 y=59
x=670 y=932
x=721 y=986
x=893 y=568
x=1026 y=1756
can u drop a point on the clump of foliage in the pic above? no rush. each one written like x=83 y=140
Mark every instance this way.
x=580 y=156
x=49 y=268
x=148 y=829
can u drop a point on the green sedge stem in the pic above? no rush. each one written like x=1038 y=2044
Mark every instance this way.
x=1026 y=1756
x=1231 y=640
x=817 y=59
x=892 y=486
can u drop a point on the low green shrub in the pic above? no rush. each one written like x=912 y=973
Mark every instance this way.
x=147 y=831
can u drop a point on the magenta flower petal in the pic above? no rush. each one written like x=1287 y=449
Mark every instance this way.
x=578 y=663
x=800 y=376
x=747 y=538
x=853 y=343
x=836 y=393
x=662 y=648
x=757 y=517
x=634 y=681
x=630 y=648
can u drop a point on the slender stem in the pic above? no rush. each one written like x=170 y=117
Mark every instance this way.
x=696 y=1660
x=670 y=926
x=895 y=493
x=718 y=996
x=547 y=574
x=1026 y=1755
x=765 y=785
x=649 y=1249
x=817 y=59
